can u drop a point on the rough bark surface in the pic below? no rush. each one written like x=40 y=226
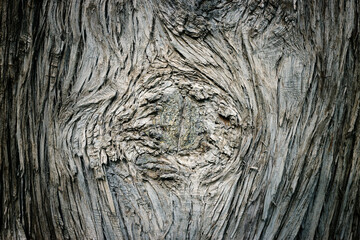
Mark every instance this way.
x=175 y=119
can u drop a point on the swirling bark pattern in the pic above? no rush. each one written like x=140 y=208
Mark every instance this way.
x=175 y=119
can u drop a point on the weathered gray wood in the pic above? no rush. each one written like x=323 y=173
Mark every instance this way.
x=174 y=119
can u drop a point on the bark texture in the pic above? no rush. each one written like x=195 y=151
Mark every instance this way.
x=175 y=119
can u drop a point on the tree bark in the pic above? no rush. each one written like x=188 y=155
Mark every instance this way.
x=162 y=119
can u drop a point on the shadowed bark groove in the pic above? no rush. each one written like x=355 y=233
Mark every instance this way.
x=162 y=119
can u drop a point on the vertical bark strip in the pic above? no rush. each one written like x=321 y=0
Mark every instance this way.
x=168 y=119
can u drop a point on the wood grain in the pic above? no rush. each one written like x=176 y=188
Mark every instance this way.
x=174 y=119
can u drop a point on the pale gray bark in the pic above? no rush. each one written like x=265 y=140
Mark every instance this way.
x=175 y=119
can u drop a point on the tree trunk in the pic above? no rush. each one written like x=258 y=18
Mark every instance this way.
x=175 y=119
